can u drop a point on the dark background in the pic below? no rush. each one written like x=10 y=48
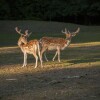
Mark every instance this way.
x=85 y=12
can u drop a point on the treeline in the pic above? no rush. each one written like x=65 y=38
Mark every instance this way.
x=75 y=11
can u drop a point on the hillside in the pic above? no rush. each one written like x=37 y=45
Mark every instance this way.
x=8 y=36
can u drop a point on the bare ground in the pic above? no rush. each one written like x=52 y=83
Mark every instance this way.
x=77 y=77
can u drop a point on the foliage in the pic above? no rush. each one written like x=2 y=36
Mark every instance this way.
x=79 y=11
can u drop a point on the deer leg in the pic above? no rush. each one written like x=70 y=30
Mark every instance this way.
x=39 y=54
x=59 y=55
x=41 y=62
x=25 y=58
x=42 y=51
x=55 y=55
x=36 y=58
x=45 y=56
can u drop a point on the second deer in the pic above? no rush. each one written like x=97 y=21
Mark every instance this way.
x=58 y=44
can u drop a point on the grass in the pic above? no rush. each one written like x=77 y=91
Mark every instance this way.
x=76 y=77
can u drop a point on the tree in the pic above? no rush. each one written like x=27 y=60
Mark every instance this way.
x=4 y=10
x=76 y=11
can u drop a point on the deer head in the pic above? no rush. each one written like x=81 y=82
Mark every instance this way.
x=69 y=34
x=23 y=37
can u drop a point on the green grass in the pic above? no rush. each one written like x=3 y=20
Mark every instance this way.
x=8 y=36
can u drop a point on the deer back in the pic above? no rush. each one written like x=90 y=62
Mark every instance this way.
x=52 y=43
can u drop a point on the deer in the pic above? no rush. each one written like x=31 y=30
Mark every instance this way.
x=31 y=47
x=56 y=43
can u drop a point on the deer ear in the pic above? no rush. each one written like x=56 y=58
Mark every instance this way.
x=73 y=34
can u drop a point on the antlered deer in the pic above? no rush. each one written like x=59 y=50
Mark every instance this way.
x=31 y=47
x=58 y=44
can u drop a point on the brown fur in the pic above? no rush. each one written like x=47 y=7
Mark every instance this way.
x=52 y=43
x=46 y=41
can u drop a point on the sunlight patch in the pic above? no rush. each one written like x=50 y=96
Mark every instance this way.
x=11 y=79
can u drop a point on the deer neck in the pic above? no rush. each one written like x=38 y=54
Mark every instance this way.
x=68 y=41
x=20 y=42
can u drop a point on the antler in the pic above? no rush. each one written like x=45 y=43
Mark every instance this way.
x=18 y=31
x=76 y=31
x=65 y=31
x=27 y=34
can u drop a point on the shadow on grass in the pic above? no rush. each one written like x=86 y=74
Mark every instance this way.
x=52 y=82
x=69 y=56
x=86 y=60
x=14 y=58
